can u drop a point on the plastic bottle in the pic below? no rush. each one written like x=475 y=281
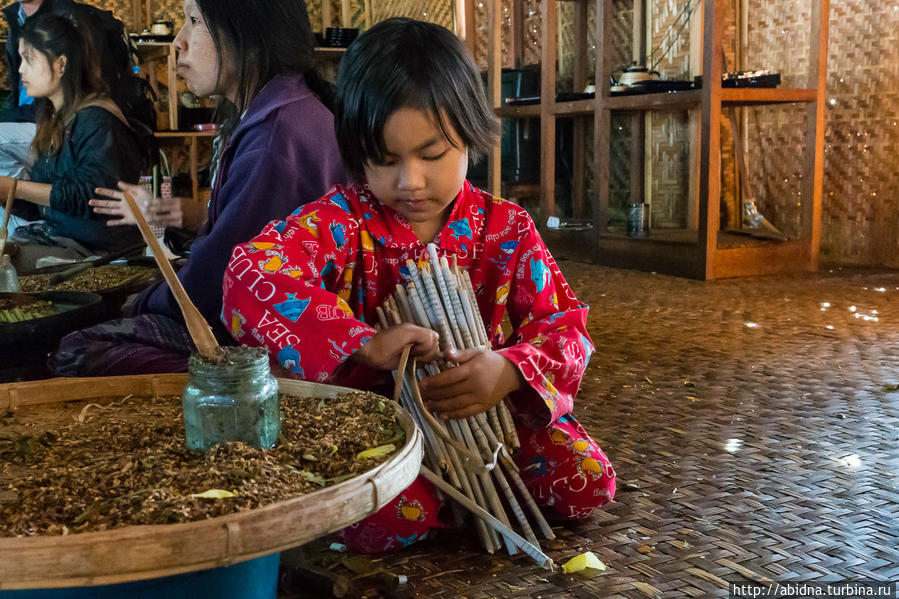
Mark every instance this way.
x=9 y=280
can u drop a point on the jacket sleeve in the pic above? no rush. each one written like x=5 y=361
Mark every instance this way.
x=256 y=192
x=279 y=292
x=549 y=344
x=96 y=162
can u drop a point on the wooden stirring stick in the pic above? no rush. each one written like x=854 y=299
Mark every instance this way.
x=10 y=196
x=197 y=326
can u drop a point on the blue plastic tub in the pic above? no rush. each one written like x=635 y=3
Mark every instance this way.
x=253 y=579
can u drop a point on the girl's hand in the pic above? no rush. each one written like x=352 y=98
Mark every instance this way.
x=480 y=381
x=157 y=211
x=384 y=349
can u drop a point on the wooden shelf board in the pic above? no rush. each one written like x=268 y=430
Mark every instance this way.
x=657 y=236
x=759 y=95
x=674 y=100
x=574 y=108
x=329 y=51
x=527 y=110
x=731 y=96
x=763 y=259
x=652 y=255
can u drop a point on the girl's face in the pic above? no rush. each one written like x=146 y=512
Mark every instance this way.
x=40 y=78
x=422 y=172
x=198 y=60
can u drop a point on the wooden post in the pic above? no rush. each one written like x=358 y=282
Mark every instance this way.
x=578 y=134
x=137 y=16
x=710 y=146
x=638 y=37
x=692 y=220
x=172 y=70
x=814 y=139
x=494 y=91
x=517 y=33
x=640 y=169
x=346 y=14
x=602 y=128
x=548 y=52
x=326 y=15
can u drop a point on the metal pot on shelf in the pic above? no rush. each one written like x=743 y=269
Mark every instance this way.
x=162 y=27
x=636 y=74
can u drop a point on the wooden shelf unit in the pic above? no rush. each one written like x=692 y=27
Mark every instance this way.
x=700 y=255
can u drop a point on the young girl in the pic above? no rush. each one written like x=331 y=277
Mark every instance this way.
x=82 y=138
x=277 y=150
x=410 y=110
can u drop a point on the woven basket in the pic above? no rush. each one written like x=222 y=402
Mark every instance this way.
x=142 y=552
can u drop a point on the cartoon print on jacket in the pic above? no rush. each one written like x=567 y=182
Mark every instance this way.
x=345 y=274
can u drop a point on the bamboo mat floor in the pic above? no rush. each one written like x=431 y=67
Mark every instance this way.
x=754 y=426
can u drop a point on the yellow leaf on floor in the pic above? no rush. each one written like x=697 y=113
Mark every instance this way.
x=582 y=562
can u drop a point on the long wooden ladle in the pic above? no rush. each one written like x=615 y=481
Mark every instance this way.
x=10 y=196
x=197 y=326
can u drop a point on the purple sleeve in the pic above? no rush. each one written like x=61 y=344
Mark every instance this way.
x=262 y=186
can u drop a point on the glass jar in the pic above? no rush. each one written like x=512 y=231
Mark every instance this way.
x=233 y=400
x=9 y=280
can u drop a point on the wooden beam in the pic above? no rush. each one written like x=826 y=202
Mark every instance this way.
x=710 y=135
x=579 y=157
x=346 y=14
x=692 y=217
x=517 y=34
x=638 y=33
x=548 y=53
x=602 y=126
x=494 y=90
x=137 y=16
x=638 y=158
x=813 y=179
x=327 y=18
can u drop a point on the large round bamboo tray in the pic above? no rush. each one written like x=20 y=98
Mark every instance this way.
x=142 y=552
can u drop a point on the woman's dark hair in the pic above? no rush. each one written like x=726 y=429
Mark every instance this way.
x=403 y=63
x=54 y=36
x=262 y=39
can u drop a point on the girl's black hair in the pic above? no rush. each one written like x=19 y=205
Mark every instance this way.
x=261 y=39
x=403 y=63
x=54 y=36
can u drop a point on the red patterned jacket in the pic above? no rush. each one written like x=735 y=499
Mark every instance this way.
x=307 y=288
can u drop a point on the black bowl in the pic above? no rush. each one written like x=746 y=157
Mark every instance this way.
x=113 y=297
x=340 y=37
x=20 y=341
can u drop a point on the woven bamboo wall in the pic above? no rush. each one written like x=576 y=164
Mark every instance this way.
x=860 y=224
x=861 y=184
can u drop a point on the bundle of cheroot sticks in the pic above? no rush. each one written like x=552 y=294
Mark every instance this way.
x=469 y=460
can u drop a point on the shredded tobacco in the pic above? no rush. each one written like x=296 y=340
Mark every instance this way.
x=100 y=278
x=125 y=462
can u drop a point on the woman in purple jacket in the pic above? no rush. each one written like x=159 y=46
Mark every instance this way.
x=277 y=150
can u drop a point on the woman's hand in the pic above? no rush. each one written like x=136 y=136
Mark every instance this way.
x=5 y=183
x=480 y=381
x=384 y=349
x=157 y=211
